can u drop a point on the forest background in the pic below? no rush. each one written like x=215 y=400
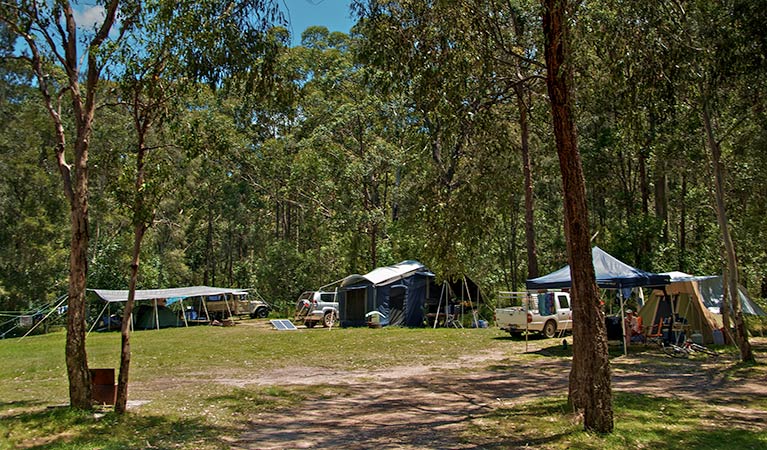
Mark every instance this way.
x=408 y=139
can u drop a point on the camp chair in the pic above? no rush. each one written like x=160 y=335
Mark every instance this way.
x=655 y=333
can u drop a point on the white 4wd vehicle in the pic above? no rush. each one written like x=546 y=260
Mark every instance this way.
x=547 y=313
x=315 y=307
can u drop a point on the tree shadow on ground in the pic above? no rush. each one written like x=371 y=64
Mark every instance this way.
x=64 y=427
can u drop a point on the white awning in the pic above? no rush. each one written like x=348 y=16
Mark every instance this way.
x=109 y=295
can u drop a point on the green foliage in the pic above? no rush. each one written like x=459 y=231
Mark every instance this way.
x=398 y=142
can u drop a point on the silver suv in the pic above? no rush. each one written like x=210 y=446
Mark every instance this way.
x=315 y=307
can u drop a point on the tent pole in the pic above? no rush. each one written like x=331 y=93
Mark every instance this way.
x=471 y=303
x=183 y=312
x=205 y=307
x=626 y=339
x=156 y=315
x=436 y=318
x=228 y=309
x=97 y=320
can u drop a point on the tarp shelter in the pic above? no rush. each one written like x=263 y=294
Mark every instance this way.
x=611 y=273
x=397 y=292
x=158 y=313
x=696 y=301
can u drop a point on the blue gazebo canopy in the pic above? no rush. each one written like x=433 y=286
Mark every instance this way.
x=611 y=273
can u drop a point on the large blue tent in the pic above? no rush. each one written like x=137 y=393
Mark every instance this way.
x=397 y=293
x=611 y=273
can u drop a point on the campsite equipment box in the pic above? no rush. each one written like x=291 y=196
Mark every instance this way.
x=103 y=386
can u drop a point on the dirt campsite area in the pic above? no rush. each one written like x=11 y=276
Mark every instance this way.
x=419 y=406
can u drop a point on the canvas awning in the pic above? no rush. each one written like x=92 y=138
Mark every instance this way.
x=112 y=296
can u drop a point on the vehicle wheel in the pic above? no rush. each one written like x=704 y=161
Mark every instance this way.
x=310 y=324
x=329 y=319
x=262 y=313
x=550 y=329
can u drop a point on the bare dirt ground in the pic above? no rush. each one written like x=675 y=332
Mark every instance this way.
x=424 y=407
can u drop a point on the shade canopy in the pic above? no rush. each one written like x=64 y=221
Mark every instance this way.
x=109 y=295
x=611 y=273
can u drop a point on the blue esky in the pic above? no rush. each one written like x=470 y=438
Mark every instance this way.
x=333 y=14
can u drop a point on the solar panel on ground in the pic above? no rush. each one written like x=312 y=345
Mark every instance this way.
x=283 y=324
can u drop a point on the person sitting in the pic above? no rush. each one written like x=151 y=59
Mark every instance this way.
x=633 y=326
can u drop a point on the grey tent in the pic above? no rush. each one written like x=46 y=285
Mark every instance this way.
x=398 y=293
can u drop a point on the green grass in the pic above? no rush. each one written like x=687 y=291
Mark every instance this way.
x=180 y=372
x=641 y=422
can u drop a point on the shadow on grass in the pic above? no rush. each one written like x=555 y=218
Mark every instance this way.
x=641 y=421
x=19 y=404
x=532 y=337
x=64 y=427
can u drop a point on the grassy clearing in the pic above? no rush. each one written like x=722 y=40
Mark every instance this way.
x=179 y=372
x=199 y=383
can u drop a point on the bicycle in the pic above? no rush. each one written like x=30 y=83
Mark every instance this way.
x=687 y=348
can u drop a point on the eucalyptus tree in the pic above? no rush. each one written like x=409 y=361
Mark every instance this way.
x=351 y=131
x=590 y=390
x=716 y=60
x=55 y=35
x=431 y=54
x=162 y=64
x=32 y=237
x=513 y=32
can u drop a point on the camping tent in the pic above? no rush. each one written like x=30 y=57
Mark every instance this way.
x=696 y=301
x=146 y=317
x=397 y=292
x=611 y=273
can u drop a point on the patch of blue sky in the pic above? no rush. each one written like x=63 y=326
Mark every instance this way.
x=335 y=15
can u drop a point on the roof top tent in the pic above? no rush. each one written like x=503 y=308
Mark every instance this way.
x=611 y=273
x=158 y=315
x=696 y=301
x=398 y=293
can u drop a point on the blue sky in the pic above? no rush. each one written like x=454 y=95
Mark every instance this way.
x=333 y=14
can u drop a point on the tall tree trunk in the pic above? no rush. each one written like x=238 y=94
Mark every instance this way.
x=590 y=390
x=731 y=278
x=125 y=351
x=524 y=126
x=140 y=227
x=661 y=201
x=76 y=356
x=683 y=226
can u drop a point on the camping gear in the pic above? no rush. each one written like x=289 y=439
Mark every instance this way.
x=611 y=273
